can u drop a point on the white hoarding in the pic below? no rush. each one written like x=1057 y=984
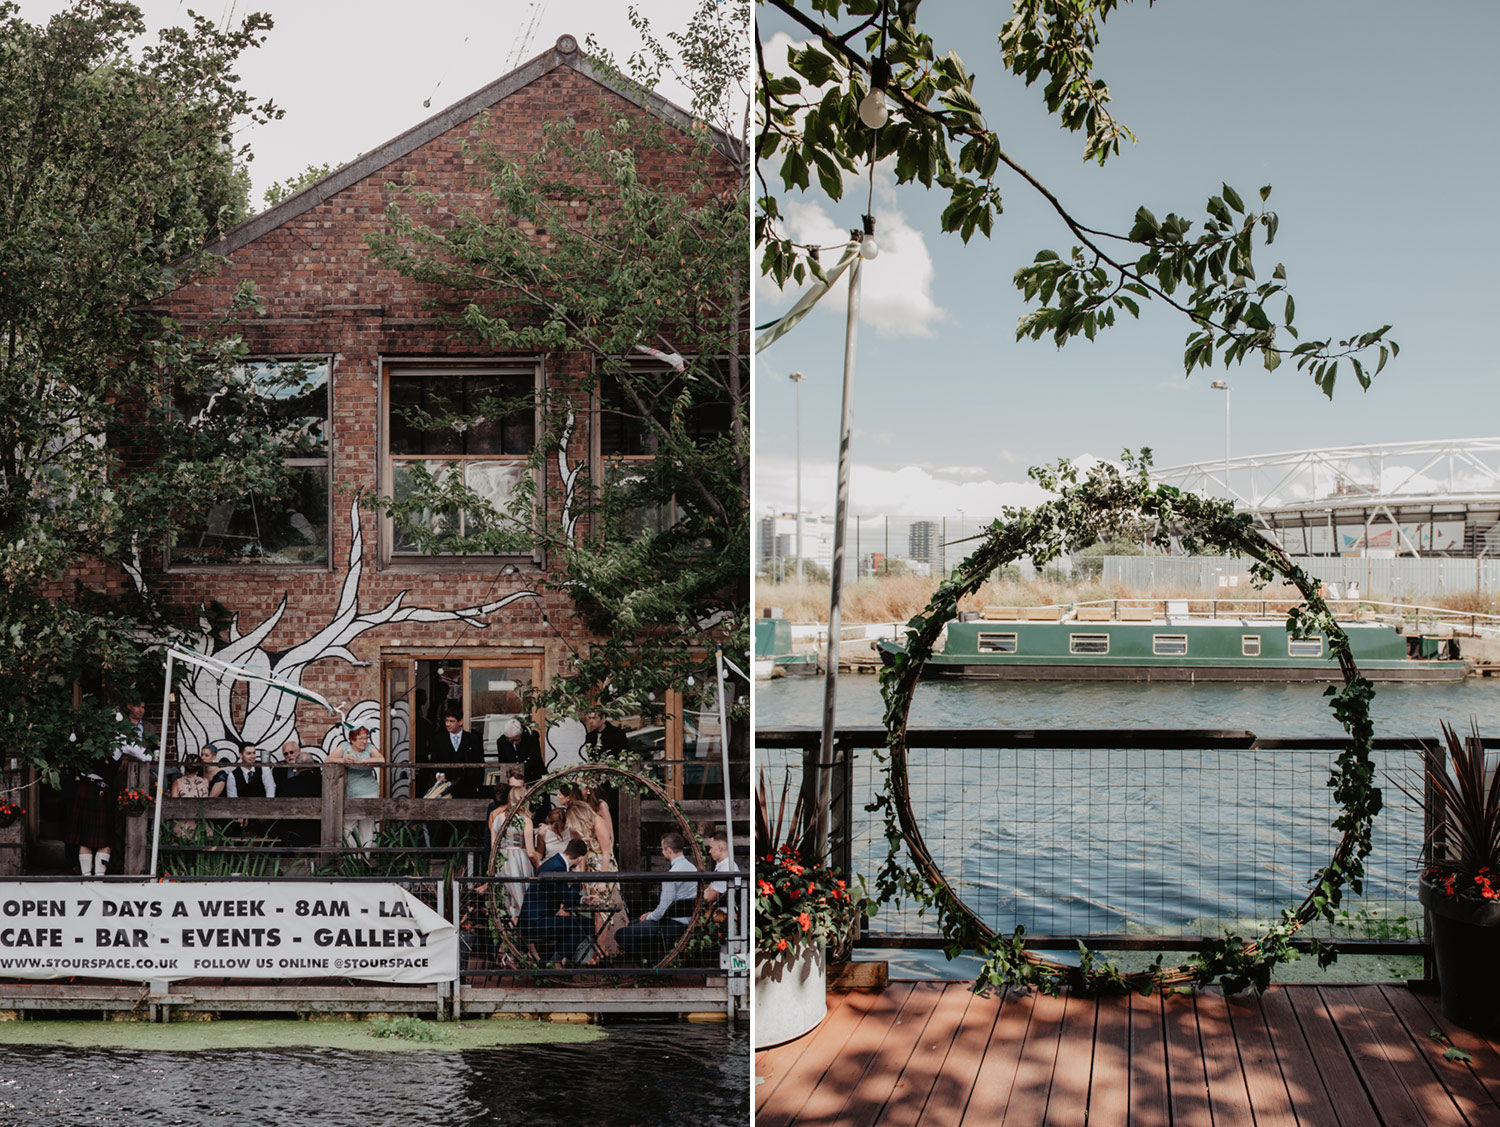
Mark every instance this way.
x=240 y=929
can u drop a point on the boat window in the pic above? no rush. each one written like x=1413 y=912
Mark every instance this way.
x=994 y=643
x=1169 y=645
x=1250 y=645
x=1305 y=647
x=1088 y=643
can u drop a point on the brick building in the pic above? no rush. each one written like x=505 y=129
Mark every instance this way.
x=326 y=592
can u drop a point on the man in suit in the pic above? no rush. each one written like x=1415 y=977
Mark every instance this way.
x=516 y=745
x=251 y=778
x=457 y=745
x=551 y=917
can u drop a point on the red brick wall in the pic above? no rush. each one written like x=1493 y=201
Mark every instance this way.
x=323 y=294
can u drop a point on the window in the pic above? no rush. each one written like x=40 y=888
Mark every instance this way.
x=1169 y=645
x=632 y=503
x=990 y=643
x=290 y=527
x=1250 y=645
x=456 y=425
x=1305 y=647
x=1088 y=643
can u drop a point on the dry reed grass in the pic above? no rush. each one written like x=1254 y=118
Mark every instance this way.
x=897 y=598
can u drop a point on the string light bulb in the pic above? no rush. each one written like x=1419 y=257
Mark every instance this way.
x=867 y=245
x=872 y=108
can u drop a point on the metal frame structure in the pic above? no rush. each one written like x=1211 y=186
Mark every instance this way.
x=1375 y=485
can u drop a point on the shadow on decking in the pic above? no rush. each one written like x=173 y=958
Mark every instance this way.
x=934 y=1053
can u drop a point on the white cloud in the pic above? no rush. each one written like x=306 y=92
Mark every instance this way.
x=884 y=490
x=896 y=287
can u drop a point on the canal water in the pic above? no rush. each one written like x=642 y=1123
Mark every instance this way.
x=1081 y=842
x=644 y=1074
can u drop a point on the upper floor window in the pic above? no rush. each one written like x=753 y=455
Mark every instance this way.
x=284 y=526
x=634 y=410
x=455 y=432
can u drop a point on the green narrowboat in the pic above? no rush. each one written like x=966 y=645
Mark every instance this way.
x=1182 y=648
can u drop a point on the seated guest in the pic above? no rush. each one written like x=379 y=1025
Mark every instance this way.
x=283 y=770
x=652 y=935
x=218 y=774
x=302 y=779
x=192 y=783
x=551 y=919
x=718 y=849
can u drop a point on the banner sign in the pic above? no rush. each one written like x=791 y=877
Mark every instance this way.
x=244 y=929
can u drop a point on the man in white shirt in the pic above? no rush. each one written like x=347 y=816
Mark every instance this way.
x=718 y=849
x=653 y=934
x=251 y=778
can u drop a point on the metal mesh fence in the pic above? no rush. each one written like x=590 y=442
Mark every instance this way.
x=1131 y=839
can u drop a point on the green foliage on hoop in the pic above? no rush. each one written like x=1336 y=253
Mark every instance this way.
x=1087 y=507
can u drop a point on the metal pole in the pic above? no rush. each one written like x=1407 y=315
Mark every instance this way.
x=797 y=378
x=729 y=901
x=840 y=518
x=161 y=762
x=1223 y=385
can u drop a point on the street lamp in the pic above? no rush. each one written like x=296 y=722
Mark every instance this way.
x=1223 y=385
x=797 y=378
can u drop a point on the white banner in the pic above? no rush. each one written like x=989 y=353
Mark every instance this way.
x=243 y=929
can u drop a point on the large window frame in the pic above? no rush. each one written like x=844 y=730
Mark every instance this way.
x=620 y=449
x=306 y=461
x=513 y=457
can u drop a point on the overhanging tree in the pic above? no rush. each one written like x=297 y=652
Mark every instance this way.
x=935 y=134
x=643 y=273
x=116 y=166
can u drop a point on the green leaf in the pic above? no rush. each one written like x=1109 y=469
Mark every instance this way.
x=1271 y=358
x=1232 y=198
x=1457 y=1054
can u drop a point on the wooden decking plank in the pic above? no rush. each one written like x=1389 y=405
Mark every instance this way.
x=1228 y=1096
x=857 y=1056
x=1068 y=1100
x=772 y=1066
x=996 y=1076
x=1109 y=1082
x=1322 y=1090
x=1148 y=1062
x=1380 y=1078
x=1385 y=1033
x=935 y=1084
x=1465 y=1088
x=1265 y=1083
x=860 y=1029
x=868 y=1098
x=1187 y=1081
x=1486 y=1053
x=1028 y=1097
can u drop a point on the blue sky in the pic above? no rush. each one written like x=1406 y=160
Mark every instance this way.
x=1374 y=122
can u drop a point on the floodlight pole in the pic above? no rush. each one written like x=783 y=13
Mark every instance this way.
x=1223 y=385
x=797 y=378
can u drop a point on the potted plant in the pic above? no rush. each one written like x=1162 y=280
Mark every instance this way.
x=1460 y=883
x=801 y=905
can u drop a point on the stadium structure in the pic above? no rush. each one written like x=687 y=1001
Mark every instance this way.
x=1404 y=499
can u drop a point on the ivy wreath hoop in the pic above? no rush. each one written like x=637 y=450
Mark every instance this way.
x=623 y=778
x=1085 y=508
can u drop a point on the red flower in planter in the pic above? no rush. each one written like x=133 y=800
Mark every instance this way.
x=805 y=921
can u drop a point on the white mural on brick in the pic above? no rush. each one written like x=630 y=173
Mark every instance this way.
x=207 y=711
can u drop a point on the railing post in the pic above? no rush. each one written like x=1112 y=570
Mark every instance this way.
x=332 y=830
x=137 y=775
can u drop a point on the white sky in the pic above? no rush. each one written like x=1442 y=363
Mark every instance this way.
x=350 y=74
x=1372 y=123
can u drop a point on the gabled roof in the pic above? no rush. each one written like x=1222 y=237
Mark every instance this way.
x=564 y=54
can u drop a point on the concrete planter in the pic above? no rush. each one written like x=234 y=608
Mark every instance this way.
x=1466 y=948
x=791 y=997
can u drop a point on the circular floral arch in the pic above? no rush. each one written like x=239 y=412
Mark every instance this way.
x=587 y=774
x=1086 y=508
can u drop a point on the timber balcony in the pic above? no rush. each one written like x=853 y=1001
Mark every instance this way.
x=1135 y=842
